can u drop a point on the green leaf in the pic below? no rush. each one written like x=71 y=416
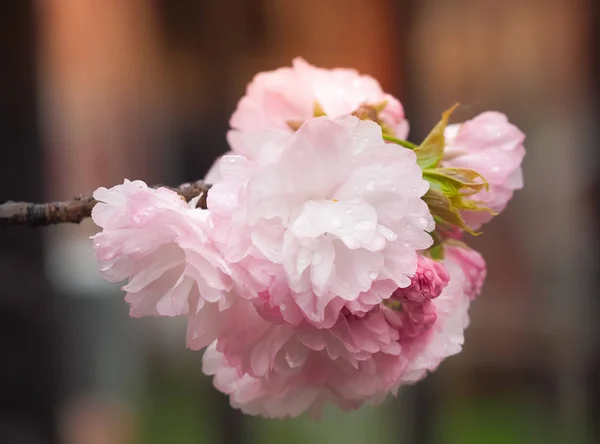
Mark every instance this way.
x=456 y=184
x=431 y=151
x=404 y=143
x=436 y=251
x=444 y=211
x=462 y=178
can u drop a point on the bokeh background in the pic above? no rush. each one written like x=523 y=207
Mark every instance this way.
x=95 y=91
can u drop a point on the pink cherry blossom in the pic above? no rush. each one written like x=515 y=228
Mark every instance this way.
x=288 y=94
x=493 y=147
x=276 y=99
x=279 y=370
x=445 y=338
x=337 y=211
x=472 y=265
x=427 y=283
x=153 y=238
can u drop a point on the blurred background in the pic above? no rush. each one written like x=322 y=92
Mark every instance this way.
x=92 y=92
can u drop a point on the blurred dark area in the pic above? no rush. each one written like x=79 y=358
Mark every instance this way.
x=27 y=375
x=94 y=92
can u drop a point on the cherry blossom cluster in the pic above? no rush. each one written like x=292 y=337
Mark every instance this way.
x=329 y=265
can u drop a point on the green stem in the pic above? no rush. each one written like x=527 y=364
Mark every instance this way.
x=404 y=143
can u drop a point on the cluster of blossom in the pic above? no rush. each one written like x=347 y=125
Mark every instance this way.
x=328 y=265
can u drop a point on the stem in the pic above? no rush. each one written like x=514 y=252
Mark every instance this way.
x=74 y=211
x=404 y=143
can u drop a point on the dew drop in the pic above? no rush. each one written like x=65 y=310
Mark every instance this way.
x=406 y=245
x=389 y=234
x=495 y=169
x=423 y=221
x=372 y=275
x=371 y=185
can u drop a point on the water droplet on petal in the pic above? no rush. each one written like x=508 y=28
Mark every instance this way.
x=371 y=185
x=372 y=275
x=495 y=169
x=389 y=234
x=406 y=245
x=423 y=221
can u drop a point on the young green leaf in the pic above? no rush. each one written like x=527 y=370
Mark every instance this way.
x=405 y=143
x=443 y=209
x=431 y=151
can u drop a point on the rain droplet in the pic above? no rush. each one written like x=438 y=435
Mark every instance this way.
x=372 y=275
x=423 y=221
x=336 y=222
x=371 y=185
x=406 y=245
x=349 y=211
x=495 y=169
x=392 y=236
x=389 y=234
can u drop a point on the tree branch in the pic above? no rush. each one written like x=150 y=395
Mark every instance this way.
x=74 y=211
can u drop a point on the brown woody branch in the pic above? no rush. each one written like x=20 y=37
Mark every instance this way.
x=74 y=211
